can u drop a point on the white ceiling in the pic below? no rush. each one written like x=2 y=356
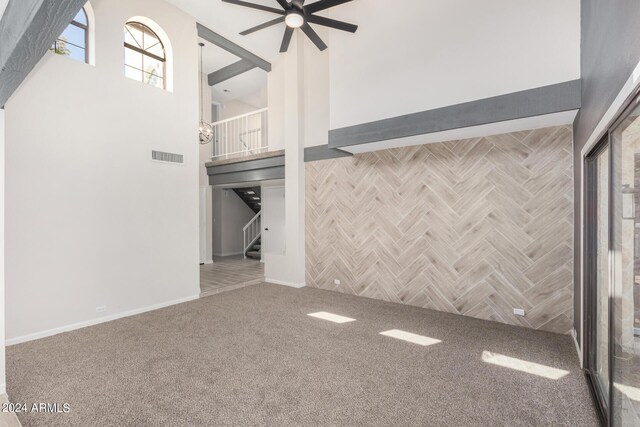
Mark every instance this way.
x=249 y=87
x=228 y=20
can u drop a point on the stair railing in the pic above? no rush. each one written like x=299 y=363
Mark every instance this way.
x=241 y=135
x=251 y=233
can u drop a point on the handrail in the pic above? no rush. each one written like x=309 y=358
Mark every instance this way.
x=252 y=219
x=246 y=134
x=251 y=233
x=242 y=116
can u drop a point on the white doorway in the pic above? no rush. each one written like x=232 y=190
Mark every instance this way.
x=273 y=220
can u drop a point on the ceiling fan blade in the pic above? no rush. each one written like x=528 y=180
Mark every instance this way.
x=313 y=36
x=284 y=4
x=263 y=26
x=324 y=4
x=332 y=23
x=286 y=40
x=255 y=6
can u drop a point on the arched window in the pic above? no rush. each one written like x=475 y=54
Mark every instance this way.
x=144 y=55
x=74 y=40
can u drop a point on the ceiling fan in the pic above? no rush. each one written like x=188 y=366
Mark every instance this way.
x=296 y=15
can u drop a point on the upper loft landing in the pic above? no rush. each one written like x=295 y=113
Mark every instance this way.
x=241 y=136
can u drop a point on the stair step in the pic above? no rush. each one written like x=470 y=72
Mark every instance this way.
x=254 y=254
x=257 y=247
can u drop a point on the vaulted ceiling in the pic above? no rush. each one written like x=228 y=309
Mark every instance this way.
x=229 y=20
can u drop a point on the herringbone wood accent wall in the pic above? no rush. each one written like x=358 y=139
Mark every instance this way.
x=474 y=227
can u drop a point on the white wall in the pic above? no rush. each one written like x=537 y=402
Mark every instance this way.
x=3 y=6
x=92 y=220
x=235 y=108
x=276 y=86
x=289 y=122
x=206 y=214
x=316 y=92
x=432 y=53
x=230 y=215
x=3 y=382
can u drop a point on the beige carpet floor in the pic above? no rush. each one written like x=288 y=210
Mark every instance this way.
x=253 y=357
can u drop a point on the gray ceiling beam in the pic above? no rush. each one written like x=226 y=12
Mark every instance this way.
x=229 y=46
x=27 y=30
x=323 y=152
x=230 y=71
x=539 y=101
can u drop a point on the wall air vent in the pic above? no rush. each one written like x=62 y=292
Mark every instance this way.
x=167 y=157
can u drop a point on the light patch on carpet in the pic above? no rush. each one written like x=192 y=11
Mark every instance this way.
x=331 y=317
x=523 y=366
x=632 y=393
x=409 y=337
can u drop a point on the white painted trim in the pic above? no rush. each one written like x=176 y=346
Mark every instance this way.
x=209 y=261
x=92 y=322
x=606 y=120
x=575 y=342
x=290 y=284
x=91 y=24
x=3 y=391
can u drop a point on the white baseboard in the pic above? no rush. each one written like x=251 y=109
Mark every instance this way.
x=79 y=325
x=209 y=261
x=290 y=284
x=575 y=342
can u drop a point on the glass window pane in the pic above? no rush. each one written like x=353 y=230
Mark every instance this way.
x=150 y=40
x=81 y=17
x=601 y=362
x=132 y=58
x=153 y=66
x=153 y=80
x=77 y=53
x=133 y=73
x=152 y=69
x=157 y=50
x=626 y=272
x=63 y=48
x=74 y=35
x=133 y=35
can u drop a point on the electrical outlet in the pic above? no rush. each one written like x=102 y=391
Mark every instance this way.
x=518 y=312
x=101 y=309
x=336 y=282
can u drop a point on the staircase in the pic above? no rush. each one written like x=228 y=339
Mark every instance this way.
x=251 y=197
x=255 y=250
x=252 y=232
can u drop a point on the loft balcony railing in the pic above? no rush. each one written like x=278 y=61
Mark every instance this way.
x=241 y=135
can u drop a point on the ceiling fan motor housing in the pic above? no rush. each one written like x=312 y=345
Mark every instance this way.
x=294 y=18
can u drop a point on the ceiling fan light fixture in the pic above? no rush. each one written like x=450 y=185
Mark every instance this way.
x=294 y=19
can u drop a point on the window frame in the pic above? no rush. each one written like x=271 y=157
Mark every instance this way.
x=147 y=53
x=85 y=28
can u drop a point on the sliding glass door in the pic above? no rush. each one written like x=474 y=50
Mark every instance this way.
x=612 y=270
x=625 y=295
x=597 y=277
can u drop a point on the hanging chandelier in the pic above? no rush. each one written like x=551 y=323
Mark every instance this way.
x=206 y=130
